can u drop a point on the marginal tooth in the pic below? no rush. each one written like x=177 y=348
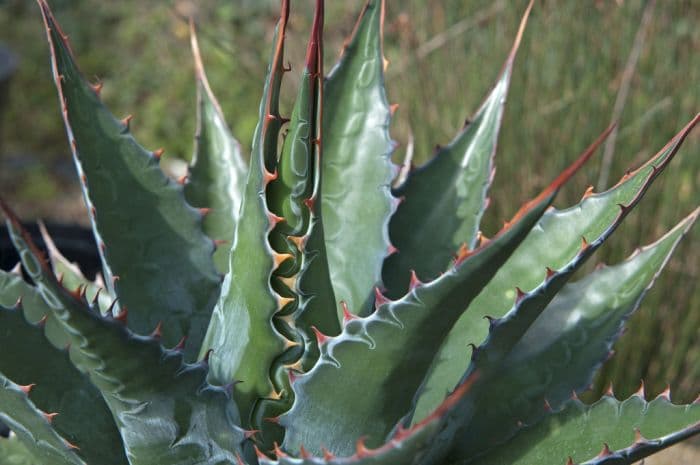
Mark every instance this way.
x=126 y=121
x=275 y=420
x=284 y=301
x=481 y=239
x=570 y=461
x=519 y=295
x=296 y=366
x=347 y=314
x=605 y=452
x=321 y=338
x=97 y=88
x=158 y=331
x=327 y=455
x=549 y=273
x=122 y=315
x=159 y=153
x=182 y=180
x=638 y=437
x=50 y=416
x=584 y=243
x=181 y=344
x=274 y=395
x=379 y=298
x=463 y=253
x=289 y=344
x=268 y=177
x=609 y=391
x=289 y=281
x=588 y=193
x=17 y=269
x=27 y=388
x=303 y=453
x=259 y=454
x=292 y=376
x=414 y=282
x=42 y=322
x=665 y=394
x=361 y=450
x=401 y=433
x=547 y=406
x=298 y=241
x=392 y=108
x=385 y=63
x=249 y=433
x=279 y=452
x=641 y=391
x=280 y=258
x=391 y=250
x=310 y=203
x=69 y=444
x=274 y=219
x=204 y=211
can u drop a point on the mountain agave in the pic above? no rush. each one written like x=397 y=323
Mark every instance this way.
x=356 y=323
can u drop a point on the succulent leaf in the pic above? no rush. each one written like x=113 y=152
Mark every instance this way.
x=241 y=335
x=302 y=276
x=602 y=433
x=541 y=352
x=13 y=452
x=403 y=447
x=140 y=217
x=83 y=418
x=218 y=172
x=356 y=169
x=444 y=200
x=32 y=426
x=13 y=289
x=72 y=278
x=142 y=383
x=350 y=393
x=552 y=243
x=294 y=196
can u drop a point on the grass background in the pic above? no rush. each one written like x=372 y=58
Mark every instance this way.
x=445 y=55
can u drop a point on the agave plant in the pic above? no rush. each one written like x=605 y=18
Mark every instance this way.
x=355 y=323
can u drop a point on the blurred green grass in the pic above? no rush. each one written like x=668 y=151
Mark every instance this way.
x=567 y=75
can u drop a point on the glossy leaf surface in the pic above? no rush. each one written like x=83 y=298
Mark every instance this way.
x=552 y=243
x=580 y=431
x=444 y=200
x=31 y=425
x=142 y=383
x=241 y=335
x=352 y=391
x=57 y=386
x=541 y=352
x=356 y=170
x=149 y=237
x=218 y=172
